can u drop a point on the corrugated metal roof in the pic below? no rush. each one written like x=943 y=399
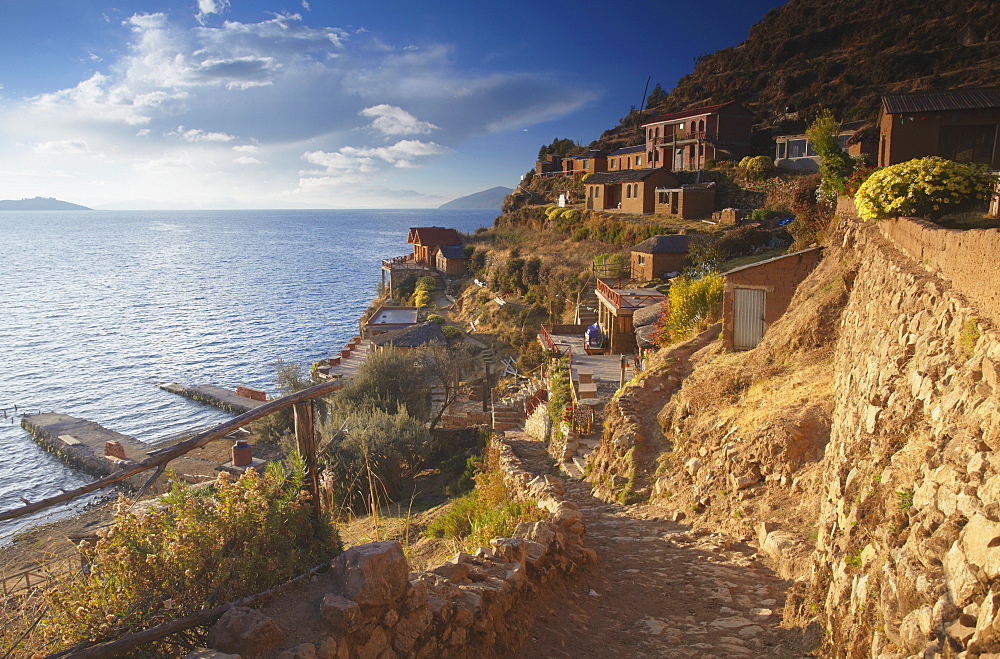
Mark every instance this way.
x=433 y=236
x=452 y=251
x=776 y=258
x=625 y=176
x=971 y=98
x=665 y=244
x=694 y=112
x=628 y=149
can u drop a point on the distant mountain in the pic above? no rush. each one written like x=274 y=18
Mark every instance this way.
x=39 y=204
x=492 y=198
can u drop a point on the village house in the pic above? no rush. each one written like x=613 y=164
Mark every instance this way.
x=588 y=162
x=793 y=150
x=615 y=309
x=427 y=242
x=758 y=294
x=550 y=164
x=957 y=124
x=629 y=157
x=451 y=260
x=691 y=202
x=627 y=191
x=684 y=141
x=657 y=256
x=389 y=318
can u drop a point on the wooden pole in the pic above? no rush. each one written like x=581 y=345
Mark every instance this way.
x=305 y=440
x=165 y=455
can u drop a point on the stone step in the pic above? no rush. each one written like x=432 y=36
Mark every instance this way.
x=571 y=469
x=588 y=444
x=580 y=463
x=588 y=390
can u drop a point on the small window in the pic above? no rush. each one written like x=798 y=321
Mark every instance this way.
x=642 y=260
x=680 y=126
x=586 y=164
x=597 y=191
x=638 y=161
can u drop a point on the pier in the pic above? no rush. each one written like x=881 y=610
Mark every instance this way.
x=101 y=452
x=224 y=399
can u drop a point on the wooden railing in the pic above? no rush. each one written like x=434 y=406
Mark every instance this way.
x=41 y=576
x=158 y=458
x=404 y=261
x=610 y=293
x=681 y=137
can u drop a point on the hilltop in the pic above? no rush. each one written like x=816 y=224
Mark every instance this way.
x=843 y=55
x=39 y=204
x=492 y=198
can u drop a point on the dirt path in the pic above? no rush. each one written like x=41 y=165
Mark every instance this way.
x=660 y=589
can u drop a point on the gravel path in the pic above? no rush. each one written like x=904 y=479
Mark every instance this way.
x=660 y=589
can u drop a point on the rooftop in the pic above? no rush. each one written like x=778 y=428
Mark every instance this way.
x=624 y=176
x=625 y=150
x=695 y=112
x=776 y=258
x=433 y=236
x=970 y=98
x=664 y=244
x=416 y=336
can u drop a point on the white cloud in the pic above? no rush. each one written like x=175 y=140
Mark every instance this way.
x=247 y=160
x=207 y=7
x=390 y=120
x=401 y=154
x=246 y=148
x=305 y=5
x=198 y=135
x=63 y=147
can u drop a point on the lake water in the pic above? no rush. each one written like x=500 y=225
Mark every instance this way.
x=99 y=308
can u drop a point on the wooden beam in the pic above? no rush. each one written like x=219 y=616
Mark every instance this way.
x=305 y=440
x=165 y=455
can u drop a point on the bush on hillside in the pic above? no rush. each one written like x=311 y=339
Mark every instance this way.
x=205 y=547
x=758 y=167
x=923 y=187
x=835 y=165
x=693 y=305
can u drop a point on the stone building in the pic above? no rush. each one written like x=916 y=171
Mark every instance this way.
x=627 y=191
x=686 y=140
x=655 y=257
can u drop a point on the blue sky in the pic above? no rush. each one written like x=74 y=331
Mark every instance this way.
x=313 y=104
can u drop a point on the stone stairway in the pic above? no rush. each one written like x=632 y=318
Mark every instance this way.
x=578 y=448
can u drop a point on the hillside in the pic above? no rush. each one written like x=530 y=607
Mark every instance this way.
x=492 y=198
x=39 y=204
x=843 y=55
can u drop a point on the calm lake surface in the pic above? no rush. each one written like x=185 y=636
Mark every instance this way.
x=101 y=307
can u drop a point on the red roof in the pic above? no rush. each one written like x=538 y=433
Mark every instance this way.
x=433 y=236
x=694 y=112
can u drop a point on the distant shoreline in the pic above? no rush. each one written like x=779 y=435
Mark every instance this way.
x=40 y=204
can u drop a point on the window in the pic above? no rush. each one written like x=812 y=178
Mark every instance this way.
x=638 y=161
x=967 y=143
x=797 y=148
x=586 y=164
x=597 y=191
x=680 y=126
x=781 y=149
x=642 y=260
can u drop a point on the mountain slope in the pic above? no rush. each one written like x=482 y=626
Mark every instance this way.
x=39 y=204
x=492 y=198
x=843 y=55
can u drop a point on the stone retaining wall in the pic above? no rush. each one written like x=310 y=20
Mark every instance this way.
x=371 y=605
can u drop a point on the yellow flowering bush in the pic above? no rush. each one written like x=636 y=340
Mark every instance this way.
x=202 y=549
x=924 y=187
x=693 y=305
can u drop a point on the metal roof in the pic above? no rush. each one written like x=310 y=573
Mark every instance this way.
x=765 y=262
x=628 y=149
x=970 y=98
x=664 y=244
x=425 y=334
x=625 y=176
x=694 y=112
x=433 y=236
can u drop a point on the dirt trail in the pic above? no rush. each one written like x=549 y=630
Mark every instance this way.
x=660 y=589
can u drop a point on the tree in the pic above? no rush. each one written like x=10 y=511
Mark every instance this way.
x=656 y=97
x=835 y=165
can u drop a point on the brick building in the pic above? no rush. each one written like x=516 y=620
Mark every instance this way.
x=958 y=124
x=588 y=162
x=686 y=140
x=629 y=157
x=627 y=191
x=756 y=295
x=690 y=202
x=659 y=255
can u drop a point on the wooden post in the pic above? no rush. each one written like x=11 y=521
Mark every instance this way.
x=305 y=439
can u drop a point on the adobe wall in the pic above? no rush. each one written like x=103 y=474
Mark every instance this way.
x=371 y=605
x=779 y=278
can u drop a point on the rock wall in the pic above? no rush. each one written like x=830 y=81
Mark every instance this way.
x=370 y=604
x=908 y=543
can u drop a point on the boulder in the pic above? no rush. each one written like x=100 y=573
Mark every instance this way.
x=246 y=632
x=373 y=574
x=340 y=613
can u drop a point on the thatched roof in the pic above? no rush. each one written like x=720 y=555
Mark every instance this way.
x=416 y=336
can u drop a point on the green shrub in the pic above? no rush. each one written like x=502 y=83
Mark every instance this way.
x=759 y=167
x=923 y=187
x=436 y=318
x=693 y=305
x=204 y=548
x=835 y=165
x=559 y=396
x=451 y=332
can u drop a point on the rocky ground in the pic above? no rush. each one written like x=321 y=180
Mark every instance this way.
x=660 y=588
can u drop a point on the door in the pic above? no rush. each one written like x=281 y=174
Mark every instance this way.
x=748 y=317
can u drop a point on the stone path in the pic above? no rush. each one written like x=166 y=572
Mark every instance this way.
x=660 y=589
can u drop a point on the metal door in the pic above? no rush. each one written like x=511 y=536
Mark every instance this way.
x=748 y=314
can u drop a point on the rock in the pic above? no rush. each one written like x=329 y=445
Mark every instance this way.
x=678 y=516
x=731 y=622
x=373 y=574
x=245 y=631
x=751 y=631
x=205 y=653
x=916 y=630
x=959 y=579
x=341 y=614
x=326 y=648
x=452 y=571
x=410 y=627
x=692 y=466
x=377 y=643
x=981 y=544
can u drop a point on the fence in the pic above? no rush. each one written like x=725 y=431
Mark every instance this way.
x=44 y=575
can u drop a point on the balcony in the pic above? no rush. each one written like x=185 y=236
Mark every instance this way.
x=405 y=262
x=678 y=138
